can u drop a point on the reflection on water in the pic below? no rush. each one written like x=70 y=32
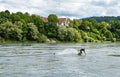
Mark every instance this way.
x=39 y=60
x=115 y=55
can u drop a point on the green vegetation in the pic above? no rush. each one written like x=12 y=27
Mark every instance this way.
x=25 y=27
x=104 y=18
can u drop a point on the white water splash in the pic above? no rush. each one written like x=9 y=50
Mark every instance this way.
x=68 y=51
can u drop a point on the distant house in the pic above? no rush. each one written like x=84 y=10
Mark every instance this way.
x=45 y=19
x=62 y=21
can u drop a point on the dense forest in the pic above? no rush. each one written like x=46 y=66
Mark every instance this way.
x=104 y=18
x=25 y=27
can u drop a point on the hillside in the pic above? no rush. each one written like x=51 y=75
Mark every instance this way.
x=104 y=18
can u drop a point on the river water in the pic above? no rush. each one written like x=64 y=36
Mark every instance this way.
x=60 y=60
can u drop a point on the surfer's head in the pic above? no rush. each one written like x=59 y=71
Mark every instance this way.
x=81 y=51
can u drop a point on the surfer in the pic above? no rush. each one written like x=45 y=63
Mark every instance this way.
x=81 y=51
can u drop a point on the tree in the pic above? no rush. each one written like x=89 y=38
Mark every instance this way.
x=5 y=29
x=51 y=30
x=4 y=16
x=10 y=31
x=75 y=23
x=16 y=34
x=37 y=20
x=108 y=35
x=62 y=33
x=68 y=34
x=115 y=25
x=104 y=25
x=117 y=34
x=52 y=18
x=32 y=31
x=73 y=35
x=85 y=25
x=27 y=18
x=15 y=17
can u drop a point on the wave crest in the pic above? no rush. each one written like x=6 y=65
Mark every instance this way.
x=68 y=51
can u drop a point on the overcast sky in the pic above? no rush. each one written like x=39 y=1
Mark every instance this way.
x=64 y=8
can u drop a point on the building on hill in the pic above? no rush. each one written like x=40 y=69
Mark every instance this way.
x=45 y=19
x=62 y=21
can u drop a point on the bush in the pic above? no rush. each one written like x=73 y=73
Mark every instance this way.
x=108 y=35
x=89 y=39
x=10 y=31
x=32 y=31
x=113 y=40
x=42 y=38
x=68 y=34
x=83 y=34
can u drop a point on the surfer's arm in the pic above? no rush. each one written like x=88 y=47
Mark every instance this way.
x=84 y=52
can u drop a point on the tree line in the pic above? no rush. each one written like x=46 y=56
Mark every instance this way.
x=104 y=18
x=25 y=27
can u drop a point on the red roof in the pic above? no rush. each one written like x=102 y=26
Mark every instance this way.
x=45 y=19
x=62 y=20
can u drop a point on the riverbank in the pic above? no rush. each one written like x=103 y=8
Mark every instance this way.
x=3 y=41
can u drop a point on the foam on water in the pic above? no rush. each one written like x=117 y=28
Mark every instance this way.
x=68 y=51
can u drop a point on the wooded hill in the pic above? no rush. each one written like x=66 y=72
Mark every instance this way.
x=104 y=18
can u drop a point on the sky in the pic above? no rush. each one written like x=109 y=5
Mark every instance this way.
x=63 y=8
